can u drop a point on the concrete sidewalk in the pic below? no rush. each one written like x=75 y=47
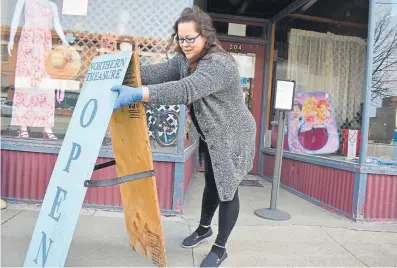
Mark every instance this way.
x=313 y=236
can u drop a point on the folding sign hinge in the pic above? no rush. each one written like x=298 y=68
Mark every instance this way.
x=118 y=180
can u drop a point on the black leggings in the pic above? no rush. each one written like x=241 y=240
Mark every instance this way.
x=228 y=211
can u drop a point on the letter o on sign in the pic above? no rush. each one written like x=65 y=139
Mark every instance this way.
x=93 y=113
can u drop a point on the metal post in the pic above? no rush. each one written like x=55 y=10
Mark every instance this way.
x=367 y=83
x=278 y=160
x=273 y=213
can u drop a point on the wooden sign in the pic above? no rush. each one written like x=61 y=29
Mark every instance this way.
x=65 y=193
x=132 y=153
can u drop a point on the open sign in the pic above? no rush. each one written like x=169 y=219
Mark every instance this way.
x=65 y=193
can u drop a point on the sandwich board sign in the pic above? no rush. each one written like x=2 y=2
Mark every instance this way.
x=75 y=164
x=131 y=146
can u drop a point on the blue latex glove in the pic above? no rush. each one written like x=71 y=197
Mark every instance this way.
x=127 y=95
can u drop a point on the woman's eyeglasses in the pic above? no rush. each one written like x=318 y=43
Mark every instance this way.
x=188 y=40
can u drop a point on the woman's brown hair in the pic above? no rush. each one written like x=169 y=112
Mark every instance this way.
x=204 y=27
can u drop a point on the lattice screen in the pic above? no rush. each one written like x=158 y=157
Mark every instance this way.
x=109 y=22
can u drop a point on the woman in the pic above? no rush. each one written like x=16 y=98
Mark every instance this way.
x=205 y=77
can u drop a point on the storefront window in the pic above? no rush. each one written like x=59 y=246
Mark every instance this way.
x=47 y=47
x=382 y=140
x=328 y=65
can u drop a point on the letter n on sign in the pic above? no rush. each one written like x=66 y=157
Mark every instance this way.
x=65 y=193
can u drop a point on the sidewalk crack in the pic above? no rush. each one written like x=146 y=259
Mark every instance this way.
x=192 y=250
x=359 y=230
x=13 y=216
x=311 y=225
x=351 y=253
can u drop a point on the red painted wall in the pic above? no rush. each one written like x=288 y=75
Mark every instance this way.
x=330 y=186
x=381 y=197
x=25 y=175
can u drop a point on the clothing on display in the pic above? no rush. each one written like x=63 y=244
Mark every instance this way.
x=34 y=106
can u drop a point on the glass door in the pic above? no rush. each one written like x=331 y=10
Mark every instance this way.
x=251 y=60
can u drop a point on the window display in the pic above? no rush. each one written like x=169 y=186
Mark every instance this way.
x=34 y=104
x=311 y=126
x=50 y=45
x=163 y=123
x=329 y=72
x=382 y=136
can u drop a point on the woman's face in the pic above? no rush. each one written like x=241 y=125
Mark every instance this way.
x=190 y=41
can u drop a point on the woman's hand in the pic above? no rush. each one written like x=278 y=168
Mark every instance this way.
x=127 y=95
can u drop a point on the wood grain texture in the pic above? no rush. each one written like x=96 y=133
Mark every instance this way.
x=128 y=129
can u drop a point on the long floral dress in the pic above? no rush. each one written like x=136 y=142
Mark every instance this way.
x=33 y=106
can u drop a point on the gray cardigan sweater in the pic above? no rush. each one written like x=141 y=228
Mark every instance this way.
x=214 y=90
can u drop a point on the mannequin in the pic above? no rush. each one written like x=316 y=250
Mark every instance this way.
x=34 y=106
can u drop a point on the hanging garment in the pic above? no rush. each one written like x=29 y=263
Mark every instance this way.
x=34 y=106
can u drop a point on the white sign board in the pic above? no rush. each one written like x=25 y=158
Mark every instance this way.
x=75 y=7
x=237 y=29
x=246 y=64
x=65 y=193
x=285 y=93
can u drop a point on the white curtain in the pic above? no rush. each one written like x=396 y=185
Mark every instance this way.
x=330 y=63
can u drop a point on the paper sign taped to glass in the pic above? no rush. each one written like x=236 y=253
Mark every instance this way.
x=76 y=161
x=311 y=125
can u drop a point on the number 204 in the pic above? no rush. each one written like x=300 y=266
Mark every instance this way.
x=235 y=47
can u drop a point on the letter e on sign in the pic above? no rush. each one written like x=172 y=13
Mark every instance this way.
x=60 y=196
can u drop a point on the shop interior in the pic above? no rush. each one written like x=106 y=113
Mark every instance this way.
x=323 y=47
